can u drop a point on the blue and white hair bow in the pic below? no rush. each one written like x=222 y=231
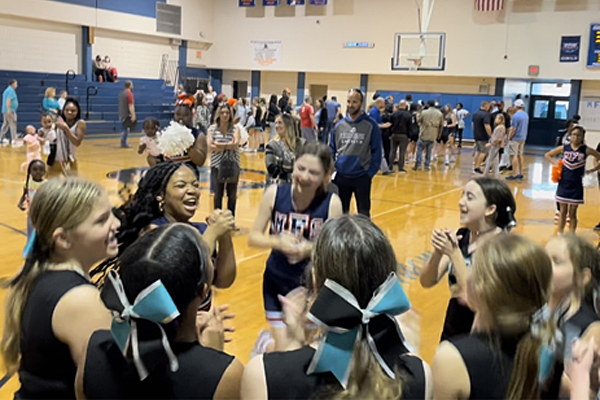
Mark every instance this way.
x=152 y=304
x=552 y=337
x=338 y=311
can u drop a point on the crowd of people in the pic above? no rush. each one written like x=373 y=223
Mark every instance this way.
x=117 y=302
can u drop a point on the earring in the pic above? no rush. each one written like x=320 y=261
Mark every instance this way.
x=161 y=206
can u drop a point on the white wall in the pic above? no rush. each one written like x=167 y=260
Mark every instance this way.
x=528 y=32
x=30 y=45
x=134 y=55
x=197 y=16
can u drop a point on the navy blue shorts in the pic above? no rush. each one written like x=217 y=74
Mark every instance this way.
x=272 y=287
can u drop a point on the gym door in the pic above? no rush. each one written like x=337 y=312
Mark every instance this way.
x=547 y=114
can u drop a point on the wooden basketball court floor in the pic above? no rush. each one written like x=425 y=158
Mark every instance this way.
x=406 y=206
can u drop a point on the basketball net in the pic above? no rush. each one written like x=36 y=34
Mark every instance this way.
x=415 y=63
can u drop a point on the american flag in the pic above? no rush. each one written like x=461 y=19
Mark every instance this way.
x=489 y=5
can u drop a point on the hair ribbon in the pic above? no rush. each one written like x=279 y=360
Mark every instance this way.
x=553 y=344
x=338 y=312
x=152 y=304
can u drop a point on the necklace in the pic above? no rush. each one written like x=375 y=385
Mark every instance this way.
x=479 y=234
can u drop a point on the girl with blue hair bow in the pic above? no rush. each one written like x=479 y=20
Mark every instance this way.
x=361 y=353
x=155 y=348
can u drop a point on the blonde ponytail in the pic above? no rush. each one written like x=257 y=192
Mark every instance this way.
x=524 y=383
x=59 y=203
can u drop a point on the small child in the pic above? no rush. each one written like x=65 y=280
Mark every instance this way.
x=497 y=142
x=63 y=99
x=36 y=174
x=47 y=133
x=34 y=148
x=149 y=142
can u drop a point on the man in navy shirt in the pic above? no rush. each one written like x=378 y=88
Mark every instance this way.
x=356 y=147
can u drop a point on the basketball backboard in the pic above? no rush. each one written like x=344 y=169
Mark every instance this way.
x=419 y=51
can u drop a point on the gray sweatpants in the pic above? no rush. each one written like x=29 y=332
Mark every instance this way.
x=9 y=122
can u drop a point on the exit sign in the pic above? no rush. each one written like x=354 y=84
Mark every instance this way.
x=198 y=54
x=533 y=70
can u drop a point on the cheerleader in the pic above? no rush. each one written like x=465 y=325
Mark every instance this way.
x=500 y=359
x=295 y=214
x=569 y=193
x=487 y=208
x=575 y=284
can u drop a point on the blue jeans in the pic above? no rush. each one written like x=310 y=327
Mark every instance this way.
x=124 y=136
x=428 y=145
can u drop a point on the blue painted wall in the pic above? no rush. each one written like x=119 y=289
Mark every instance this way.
x=201 y=73
x=86 y=54
x=255 y=84
x=471 y=102
x=183 y=59
x=300 y=88
x=216 y=79
x=143 y=8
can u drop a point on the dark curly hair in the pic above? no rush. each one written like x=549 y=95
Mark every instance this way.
x=141 y=209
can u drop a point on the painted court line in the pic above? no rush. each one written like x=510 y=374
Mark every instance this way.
x=392 y=210
x=12 y=228
x=262 y=253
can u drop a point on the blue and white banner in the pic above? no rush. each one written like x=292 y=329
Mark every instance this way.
x=569 y=49
x=268 y=3
x=318 y=2
x=594 y=48
x=296 y=2
x=247 y=3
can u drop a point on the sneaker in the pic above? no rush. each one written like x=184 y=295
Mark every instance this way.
x=264 y=340
x=502 y=168
x=478 y=171
x=402 y=171
x=427 y=169
x=386 y=173
x=597 y=227
x=519 y=177
x=416 y=167
x=453 y=159
x=125 y=146
x=509 y=168
x=446 y=162
x=512 y=178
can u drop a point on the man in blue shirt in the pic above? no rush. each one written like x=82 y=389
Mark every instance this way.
x=333 y=109
x=517 y=137
x=10 y=103
x=356 y=147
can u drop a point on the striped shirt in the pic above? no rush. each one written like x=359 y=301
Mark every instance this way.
x=218 y=137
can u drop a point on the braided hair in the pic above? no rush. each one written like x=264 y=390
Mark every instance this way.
x=141 y=209
x=30 y=167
